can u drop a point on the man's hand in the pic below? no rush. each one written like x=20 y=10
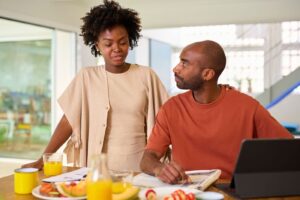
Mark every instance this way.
x=171 y=173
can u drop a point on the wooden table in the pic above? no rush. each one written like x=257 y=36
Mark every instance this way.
x=7 y=189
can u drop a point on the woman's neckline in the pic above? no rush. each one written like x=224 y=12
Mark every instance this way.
x=113 y=73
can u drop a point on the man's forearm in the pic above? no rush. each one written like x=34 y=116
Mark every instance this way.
x=150 y=163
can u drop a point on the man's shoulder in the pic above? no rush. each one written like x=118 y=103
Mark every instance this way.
x=241 y=97
x=178 y=98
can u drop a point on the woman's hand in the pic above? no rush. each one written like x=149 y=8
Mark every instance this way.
x=37 y=164
x=61 y=134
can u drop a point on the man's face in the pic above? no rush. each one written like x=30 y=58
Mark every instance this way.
x=188 y=72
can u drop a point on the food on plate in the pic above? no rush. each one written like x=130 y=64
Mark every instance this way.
x=190 y=196
x=63 y=189
x=150 y=194
x=180 y=195
x=129 y=193
x=49 y=189
x=78 y=189
x=72 y=189
x=176 y=195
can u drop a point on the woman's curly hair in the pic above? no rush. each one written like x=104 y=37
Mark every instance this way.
x=106 y=16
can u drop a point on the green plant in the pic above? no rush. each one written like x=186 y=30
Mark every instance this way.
x=2 y=133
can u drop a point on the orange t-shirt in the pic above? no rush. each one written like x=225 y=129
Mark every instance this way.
x=208 y=136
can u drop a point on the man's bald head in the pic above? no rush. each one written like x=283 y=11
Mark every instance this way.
x=212 y=55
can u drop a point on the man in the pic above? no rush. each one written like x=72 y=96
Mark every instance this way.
x=207 y=124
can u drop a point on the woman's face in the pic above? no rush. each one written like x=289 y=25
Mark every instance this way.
x=114 y=45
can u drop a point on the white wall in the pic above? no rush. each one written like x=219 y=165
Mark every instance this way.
x=142 y=52
x=64 y=69
x=66 y=15
x=288 y=109
x=8 y=165
x=84 y=55
x=174 y=13
x=155 y=13
x=57 y=14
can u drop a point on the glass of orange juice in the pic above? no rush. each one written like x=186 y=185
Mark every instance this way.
x=122 y=179
x=100 y=189
x=52 y=163
x=99 y=184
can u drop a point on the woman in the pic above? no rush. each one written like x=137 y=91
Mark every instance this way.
x=108 y=108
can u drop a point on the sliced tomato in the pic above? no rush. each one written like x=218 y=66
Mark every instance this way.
x=180 y=194
x=46 y=188
x=177 y=196
x=191 y=196
x=150 y=194
x=168 y=198
x=149 y=191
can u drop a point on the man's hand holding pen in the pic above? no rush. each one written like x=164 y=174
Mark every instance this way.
x=172 y=173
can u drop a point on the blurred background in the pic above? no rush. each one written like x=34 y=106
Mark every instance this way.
x=41 y=51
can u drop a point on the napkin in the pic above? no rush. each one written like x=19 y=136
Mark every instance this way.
x=75 y=175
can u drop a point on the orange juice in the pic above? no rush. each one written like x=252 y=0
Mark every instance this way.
x=99 y=190
x=119 y=187
x=52 y=168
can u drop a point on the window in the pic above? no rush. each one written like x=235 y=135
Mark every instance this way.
x=258 y=55
x=29 y=56
x=244 y=71
x=25 y=89
x=290 y=32
x=243 y=44
x=290 y=61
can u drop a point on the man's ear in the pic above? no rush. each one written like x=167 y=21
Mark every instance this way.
x=208 y=74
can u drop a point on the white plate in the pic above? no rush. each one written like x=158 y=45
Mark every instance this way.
x=164 y=191
x=210 y=196
x=36 y=193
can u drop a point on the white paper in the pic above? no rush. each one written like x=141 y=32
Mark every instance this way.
x=145 y=180
x=199 y=178
x=75 y=175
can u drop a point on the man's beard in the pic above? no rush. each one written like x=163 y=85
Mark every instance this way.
x=194 y=83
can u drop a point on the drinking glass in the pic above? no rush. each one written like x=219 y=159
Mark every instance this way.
x=52 y=163
x=99 y=184
x=122 y=179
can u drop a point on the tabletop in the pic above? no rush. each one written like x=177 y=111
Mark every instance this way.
x=7 y=189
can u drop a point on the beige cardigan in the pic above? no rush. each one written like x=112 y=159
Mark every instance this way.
x=86 y=105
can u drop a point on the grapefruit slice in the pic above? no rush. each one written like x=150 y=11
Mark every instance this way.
x=73 y=189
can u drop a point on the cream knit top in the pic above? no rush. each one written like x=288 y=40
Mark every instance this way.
x=111 y=113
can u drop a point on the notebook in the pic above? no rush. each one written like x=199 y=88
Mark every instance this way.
x=266 y=168
x=200 y=179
